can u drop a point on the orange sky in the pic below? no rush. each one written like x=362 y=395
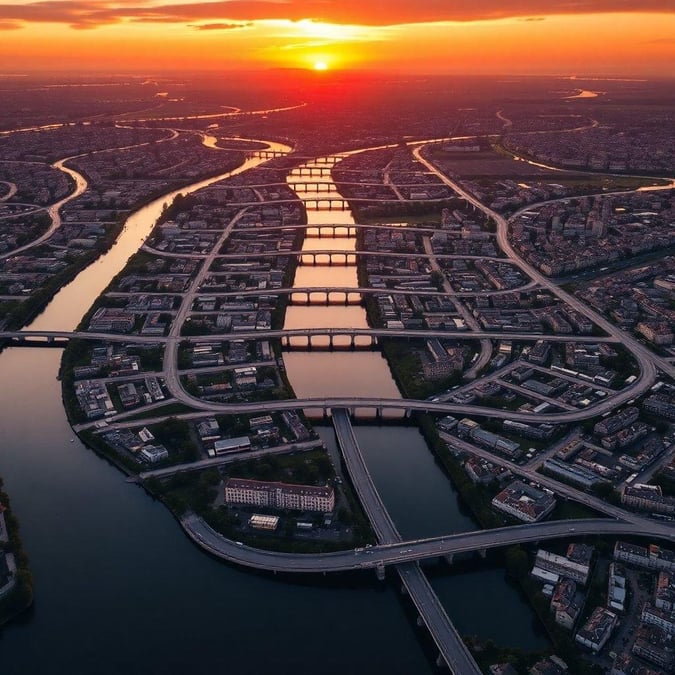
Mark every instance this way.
x=430 y=36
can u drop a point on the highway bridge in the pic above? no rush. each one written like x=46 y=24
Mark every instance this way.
x=331 y=291
x=24 y=337
x=415 y=550
x=452 y=649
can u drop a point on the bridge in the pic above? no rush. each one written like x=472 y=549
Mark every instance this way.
x=452 y=649
x=53 y=338
x=340 y=294
x=312 y=185
x=429 y=548
x=337 y=203
x=404 y=555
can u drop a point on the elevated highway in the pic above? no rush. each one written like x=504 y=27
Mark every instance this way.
x=451 y=646
x=47 y=336
x=415 y=550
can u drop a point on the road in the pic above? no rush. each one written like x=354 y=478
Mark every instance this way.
x=417 y=549
x=363 y=290
x=646 y=359
x=422 y=334
x=231 y=457
x=451 y=646
x=485 y=353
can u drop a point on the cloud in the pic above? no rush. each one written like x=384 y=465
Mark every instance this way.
x=221 y=26
x=10 y=25
x=92 y=13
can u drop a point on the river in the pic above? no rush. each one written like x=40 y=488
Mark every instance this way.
x=119 y=589
x=418 y=495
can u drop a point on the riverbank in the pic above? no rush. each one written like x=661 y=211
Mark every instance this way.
x=29 y=309
x=16 y=595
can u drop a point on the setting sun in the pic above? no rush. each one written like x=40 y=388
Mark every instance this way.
x=320 y=65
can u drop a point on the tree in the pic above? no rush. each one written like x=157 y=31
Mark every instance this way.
x=437 y=279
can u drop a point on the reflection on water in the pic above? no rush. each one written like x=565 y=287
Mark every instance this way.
x=111 y=565
x=359 y=373
x=72 y=301
x=585 y=93
x=331 y=374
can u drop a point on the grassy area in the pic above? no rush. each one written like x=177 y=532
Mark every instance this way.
x=406 y=368
x=198 y=491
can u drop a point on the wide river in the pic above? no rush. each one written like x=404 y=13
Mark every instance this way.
x=120 y=589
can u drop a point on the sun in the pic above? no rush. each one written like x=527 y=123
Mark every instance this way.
x=320 y=65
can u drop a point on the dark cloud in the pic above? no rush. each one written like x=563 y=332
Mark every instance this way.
x=91 y=13
x=10 y=25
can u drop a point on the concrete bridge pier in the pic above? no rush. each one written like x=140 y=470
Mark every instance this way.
x=482 y=553
x=404 y=590
x=419 y=621
x=440 y=661
x=380 y=572
x=449 y=558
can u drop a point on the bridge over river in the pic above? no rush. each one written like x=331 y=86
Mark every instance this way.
x=405 y=555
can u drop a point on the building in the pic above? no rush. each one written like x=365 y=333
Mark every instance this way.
x=562 y=566
x=262 y=522
x=486 y=439
x=654 y=645
x=597 y=630
x=128 y=394
x=154 y=453
x=652 y=558
x=112 y=320
x=566 y=603
x=614 y=423
x=279 y=495
x=626 y=664
x=664 y=595
x=225 y=445
x=658 y=332
x=549 y=665
x=502 y=669
x=572 y=473
x=653 y=616
x=524 y=502
x=659 y=405
x=616 y=587
x=648 y=498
